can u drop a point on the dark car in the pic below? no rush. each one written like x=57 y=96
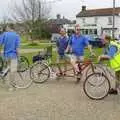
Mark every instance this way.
x=95 y=41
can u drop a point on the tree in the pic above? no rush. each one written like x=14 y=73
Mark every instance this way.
x=32 y=13
x=4 y=23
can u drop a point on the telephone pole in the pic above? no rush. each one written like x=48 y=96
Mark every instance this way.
x=113 y=27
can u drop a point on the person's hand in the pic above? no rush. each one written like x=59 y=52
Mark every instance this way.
x=66 y=52
x=0 y=53
x=93 y=54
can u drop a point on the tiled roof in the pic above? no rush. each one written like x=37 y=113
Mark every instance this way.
x=98 y=12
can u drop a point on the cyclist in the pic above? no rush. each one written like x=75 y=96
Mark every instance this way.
x=77 y=44
x=10 y=40
x=62 y=43
x=106 y=53
x=109 y=54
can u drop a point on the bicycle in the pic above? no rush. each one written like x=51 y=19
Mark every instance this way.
x=41 y=71
x=107 y=73
x=22 y=70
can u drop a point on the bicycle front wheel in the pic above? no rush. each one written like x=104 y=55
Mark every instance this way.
x=96 y=86
x=22 y=80
x=40 y=72
x=96 y=68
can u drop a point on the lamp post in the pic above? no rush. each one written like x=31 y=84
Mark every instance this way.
x=113 y=27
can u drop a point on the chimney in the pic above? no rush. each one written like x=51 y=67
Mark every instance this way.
x=58 y=16
x=83 y=8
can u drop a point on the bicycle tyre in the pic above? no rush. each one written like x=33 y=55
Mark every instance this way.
x=37 y=73
x=108 y=71
x=97 y=68
x=1 y=63
x=21 y=80
x=87 y=92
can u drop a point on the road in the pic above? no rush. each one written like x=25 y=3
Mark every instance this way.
x=56 y=100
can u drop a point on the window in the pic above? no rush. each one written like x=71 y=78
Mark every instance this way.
x=95 y=31
x=90 y=31
x=83 y=20
x=109 y=20
x=96 y=19
x=86 y=31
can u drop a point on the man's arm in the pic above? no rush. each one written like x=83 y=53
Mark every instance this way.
x=90 y=49
x=69 y=45
x=89 y=46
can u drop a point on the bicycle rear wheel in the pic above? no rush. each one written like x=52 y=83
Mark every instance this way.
x=40 y=72
x=1 y=63
x=22 y=80
x=94 y=88
x=23 y=64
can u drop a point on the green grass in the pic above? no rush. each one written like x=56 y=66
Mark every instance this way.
x=98 y=52
x=24 y=39
x=35 y=46
x=30 y=55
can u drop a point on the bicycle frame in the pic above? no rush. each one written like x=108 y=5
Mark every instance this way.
x=81 y=66
x=84 y=65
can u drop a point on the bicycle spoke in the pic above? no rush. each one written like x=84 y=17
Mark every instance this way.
x=40 y=73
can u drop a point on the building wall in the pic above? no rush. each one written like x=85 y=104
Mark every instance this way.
x=102 y=24
x=69 y=26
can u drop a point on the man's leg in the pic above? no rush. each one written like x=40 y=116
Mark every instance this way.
x=59 y=66
x=79 y=59
x=74 y=64
x=117 y=83
x=13 y=70
x=65 y=61
x=117 y=74
x=65 y=67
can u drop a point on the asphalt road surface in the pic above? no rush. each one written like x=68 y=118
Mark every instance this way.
x=56 y=100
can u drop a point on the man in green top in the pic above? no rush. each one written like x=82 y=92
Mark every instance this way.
x=109 y=54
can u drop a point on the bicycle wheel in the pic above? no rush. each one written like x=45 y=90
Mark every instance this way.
x=22 y=79
x=94 y=88
x=40 y=72
x=97 y=68
x=1 y=63
x=110 y=73
x=23 y=64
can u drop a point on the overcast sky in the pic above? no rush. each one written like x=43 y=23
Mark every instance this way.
x=67 y=8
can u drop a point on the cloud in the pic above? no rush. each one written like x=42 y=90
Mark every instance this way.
x=67 y=8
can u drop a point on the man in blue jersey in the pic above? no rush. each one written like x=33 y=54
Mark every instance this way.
x=10 y=40
x=62 y=43
x=77 y=44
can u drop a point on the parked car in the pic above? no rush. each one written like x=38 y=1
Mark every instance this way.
x=55 y=37
x=95 y=41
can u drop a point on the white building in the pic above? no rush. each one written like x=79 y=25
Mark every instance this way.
x=98 y=21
